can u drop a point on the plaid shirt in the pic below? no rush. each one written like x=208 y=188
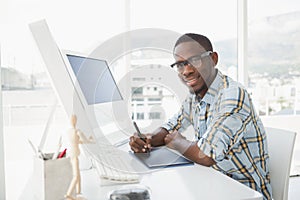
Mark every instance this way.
x=229 y=131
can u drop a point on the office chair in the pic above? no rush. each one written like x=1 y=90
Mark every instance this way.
x=280 y=146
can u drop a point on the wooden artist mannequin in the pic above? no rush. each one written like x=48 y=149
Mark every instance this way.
x=76 y=137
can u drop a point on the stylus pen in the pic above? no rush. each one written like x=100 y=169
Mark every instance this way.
x=139 y=132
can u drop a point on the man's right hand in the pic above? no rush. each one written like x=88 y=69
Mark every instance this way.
x=138 y=145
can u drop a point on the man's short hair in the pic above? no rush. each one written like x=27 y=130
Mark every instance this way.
x=201 y=39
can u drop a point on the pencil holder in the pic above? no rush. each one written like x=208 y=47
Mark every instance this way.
x=51 y=178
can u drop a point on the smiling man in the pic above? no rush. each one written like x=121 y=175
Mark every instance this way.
x=229 y=136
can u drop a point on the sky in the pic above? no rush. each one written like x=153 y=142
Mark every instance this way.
x=80 y=25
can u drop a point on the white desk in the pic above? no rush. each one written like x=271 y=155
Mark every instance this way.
x=184 y=182
x=181 y=182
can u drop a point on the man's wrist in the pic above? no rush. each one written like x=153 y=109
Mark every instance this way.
x=182 y=145
x=157 y=138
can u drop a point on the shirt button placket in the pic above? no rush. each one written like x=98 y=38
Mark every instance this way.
x=202 y=124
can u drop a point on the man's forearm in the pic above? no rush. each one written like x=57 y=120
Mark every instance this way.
x=191 y=151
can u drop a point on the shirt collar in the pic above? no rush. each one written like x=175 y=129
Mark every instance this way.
x=212 y=90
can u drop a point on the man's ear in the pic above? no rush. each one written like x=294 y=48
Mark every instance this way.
x=215 y=57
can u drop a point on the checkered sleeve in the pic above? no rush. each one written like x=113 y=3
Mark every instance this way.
x=181 y=120
x=230 y=117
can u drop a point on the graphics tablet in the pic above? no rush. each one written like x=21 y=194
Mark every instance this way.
x=162 y=157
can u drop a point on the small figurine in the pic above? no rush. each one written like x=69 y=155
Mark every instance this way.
x=76 y=137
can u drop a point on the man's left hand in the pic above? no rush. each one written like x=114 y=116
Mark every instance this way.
x=175 y=140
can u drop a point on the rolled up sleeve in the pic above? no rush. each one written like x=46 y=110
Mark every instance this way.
x=181 y=120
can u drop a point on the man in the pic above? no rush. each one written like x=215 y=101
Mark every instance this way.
x=230 y=137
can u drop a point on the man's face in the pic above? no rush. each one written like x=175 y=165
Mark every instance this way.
x=199 y=76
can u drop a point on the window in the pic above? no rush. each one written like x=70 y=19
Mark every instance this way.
x=273 y=60
x=140 y=116
x=293 y=92
x=136 y=91
x=154 y=115
x=137 y=99
x=154 y=99
x=274 y=64
x=138 y=79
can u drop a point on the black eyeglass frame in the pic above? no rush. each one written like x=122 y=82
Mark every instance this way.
x=189 y=62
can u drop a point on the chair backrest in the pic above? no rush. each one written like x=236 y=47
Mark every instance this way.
x=280 y=147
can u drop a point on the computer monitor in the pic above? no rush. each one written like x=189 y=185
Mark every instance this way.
x=94 y=79
x=68 y=74
x=98 y=91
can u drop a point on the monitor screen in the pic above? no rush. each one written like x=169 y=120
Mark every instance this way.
x=95 y=79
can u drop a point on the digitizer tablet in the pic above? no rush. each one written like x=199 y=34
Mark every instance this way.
x=162 y=157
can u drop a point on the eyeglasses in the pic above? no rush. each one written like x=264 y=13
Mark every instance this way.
x=192 y=61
